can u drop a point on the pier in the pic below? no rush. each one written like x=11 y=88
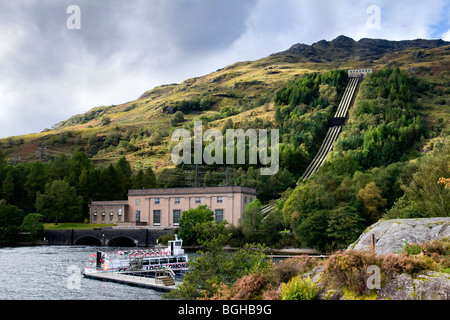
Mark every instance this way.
x=161 y=281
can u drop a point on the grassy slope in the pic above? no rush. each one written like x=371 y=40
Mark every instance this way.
x=239 y=85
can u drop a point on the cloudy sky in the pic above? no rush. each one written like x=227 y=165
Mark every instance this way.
x=49 y=72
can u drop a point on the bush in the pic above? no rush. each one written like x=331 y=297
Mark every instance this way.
x=289 y=268
x=402 y=263
x=248 y=287
x=299 y=288
x=348 y=269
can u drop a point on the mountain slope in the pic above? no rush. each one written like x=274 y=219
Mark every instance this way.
x=141 y=129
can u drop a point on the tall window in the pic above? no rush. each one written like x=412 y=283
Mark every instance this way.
x=138 y=216
x=119 y=214
x=103 y=215
x=219 y=215
x=176 y=216
x=111 y=215
x=95 y=215
x=156 y=217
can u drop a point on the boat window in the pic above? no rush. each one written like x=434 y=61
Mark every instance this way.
x=172 y=260
x=145 y=262
x=164 y=260
x=154 y=261
x=181 y=259
x=178 y=244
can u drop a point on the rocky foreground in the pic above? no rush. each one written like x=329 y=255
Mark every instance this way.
x=410 y=279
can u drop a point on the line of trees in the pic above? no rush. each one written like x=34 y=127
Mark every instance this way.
x=60 y=190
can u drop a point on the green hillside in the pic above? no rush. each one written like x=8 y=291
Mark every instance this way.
x=400 y=116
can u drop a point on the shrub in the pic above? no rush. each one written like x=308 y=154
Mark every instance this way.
x=289 y=268
x=299 y=288
x=411 y=249
x=271 y=294
x=249 y=287
x=439 y=251
x=349 y=269
x=402 y=263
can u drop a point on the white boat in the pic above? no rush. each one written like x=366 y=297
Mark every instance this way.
x=172 y=257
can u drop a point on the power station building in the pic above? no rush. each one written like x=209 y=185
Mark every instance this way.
x=164 y=207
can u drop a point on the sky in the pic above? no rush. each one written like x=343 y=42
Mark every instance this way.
x=55 y=62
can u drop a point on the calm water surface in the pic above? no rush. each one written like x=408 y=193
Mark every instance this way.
x=54 y=273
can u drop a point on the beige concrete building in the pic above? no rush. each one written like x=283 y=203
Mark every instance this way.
x=163 y=207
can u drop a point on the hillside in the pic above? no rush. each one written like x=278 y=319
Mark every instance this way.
x=140 y=129
x=387 y=162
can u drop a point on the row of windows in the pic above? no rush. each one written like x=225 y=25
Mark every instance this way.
x=176 y=215
x=111 y=215
x=359 y=71
x=156 y=216
x=197 y=200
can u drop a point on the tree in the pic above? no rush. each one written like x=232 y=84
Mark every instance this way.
x=307 y=198
x=105 y=121
x=189 y=219
x=60 y=200
x=312 y=231
x=251 y=221
x=149 y=178
x=424 y=196
x=372 y=201
x=445 y=181
x=11 y=218
x=124 y=175
x=33 y=223
x=178 y=117
x=213 y=267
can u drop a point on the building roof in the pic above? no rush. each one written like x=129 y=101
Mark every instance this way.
x=197 y=190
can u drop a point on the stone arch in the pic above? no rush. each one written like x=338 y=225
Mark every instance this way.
x=121 y=241
x=89 y=241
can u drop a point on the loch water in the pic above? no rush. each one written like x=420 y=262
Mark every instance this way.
x=55 y=273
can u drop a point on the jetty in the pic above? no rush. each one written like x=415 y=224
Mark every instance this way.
x=160 y=280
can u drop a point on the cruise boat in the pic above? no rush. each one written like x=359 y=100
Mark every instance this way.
x=172 y=257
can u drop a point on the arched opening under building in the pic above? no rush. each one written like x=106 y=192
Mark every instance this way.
x=88 y=241
x=121 y=242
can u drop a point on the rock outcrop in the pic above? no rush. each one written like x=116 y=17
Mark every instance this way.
x=390 y=236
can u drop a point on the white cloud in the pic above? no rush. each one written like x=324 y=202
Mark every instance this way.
x=446 y=36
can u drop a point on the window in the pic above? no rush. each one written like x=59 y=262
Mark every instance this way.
x=156 y=217
x=156 y=200
x=176 y=216
x=138 y=216
x=219 y=215
x=177 y=200
x=219 y=199
x=245 y=199
x=138 y=202
x=95 y=215
x=111 y=215
x=198 y=200
x=103 y=215
x=154 y=262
